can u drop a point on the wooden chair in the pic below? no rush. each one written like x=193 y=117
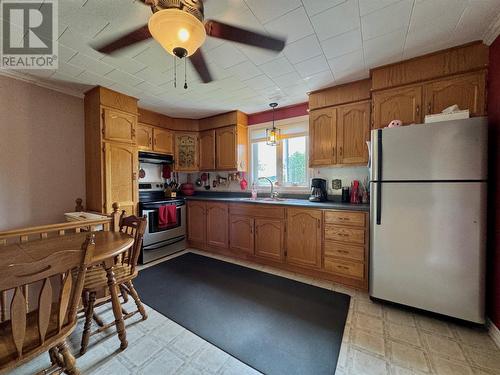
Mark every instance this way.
x=125 y=271
x=44 y=326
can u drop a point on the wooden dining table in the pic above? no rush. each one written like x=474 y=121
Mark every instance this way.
x=108 y=245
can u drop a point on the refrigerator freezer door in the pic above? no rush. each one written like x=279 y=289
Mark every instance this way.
x=451 y=150
x=429 y=249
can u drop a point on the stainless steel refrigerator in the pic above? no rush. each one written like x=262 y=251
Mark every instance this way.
x=428 y=216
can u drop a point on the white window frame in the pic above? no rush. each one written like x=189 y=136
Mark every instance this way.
x=281 y=124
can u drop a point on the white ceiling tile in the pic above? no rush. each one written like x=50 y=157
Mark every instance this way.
x=269 y=10
x=226 y=55
x=478 y=15
x=302 y=49
x=320 y=80
x=368 y=6
x=123 y=78
x=386 y=20
x=317 y=6
x=65 y=53
x=341 y=44
x=444 y=14
x=289 y=79
x=69 y=69
x=277 y=67
x=384 y=49
x=126 y=89
x=82 y=20
x=156 y=57
x=124 y=63
x=423 y=38
x=351 y=76
x=260 y=82
x=88 y=63
x=337 y=20
x=95 y=79
x=259 y=56
x=312 y=66
x=348 y=62
x=293 y=26
x=245 y=70
x=78 y=42
x=150 y=88
x=154 y=76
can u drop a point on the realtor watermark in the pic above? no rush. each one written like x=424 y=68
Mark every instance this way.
x=29 y=34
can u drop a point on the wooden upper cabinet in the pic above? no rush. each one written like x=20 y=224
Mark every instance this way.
x=269 y=239
x=304 y=237
x=467 y=91
x=144 y=137
x=186 y=152
x=120 y=170
x=163 y=141
x=118 y=126
x=217 y=224
x=353 y=130
x=207 y=150
x=241 y=230
x=196 y=224
x=226 y=148
x=403 y=104
x=322 y=137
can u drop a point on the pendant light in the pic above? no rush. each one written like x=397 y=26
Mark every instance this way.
x=273 y=134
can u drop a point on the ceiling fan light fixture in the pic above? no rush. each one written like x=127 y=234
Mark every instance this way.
x=176 y=29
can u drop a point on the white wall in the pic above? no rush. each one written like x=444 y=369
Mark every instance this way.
x=42 y=164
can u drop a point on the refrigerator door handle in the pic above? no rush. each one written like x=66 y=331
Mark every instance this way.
x=378 y=205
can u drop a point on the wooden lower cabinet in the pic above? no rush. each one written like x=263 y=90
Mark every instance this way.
x=304 y=237
x=270 y=239
x=217 y=224
x=196 y=223
x=328 y=244
x=120 y=171
x=241 y=233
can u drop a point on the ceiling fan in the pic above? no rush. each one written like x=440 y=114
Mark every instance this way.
x=179 y=27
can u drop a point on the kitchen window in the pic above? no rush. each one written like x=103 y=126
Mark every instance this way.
x=286 y=163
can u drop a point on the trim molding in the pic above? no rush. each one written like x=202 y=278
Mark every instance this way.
x=493 y=31
x=493 y=331
x=40 y=82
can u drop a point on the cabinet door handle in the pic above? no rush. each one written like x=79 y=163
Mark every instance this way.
x=319 y=223
x=340 y=150
x=418 y=110
x=429 y=108
x=150 y=141
x=333 y=150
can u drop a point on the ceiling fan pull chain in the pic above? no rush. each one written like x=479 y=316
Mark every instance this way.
x=185 y=74
x=175 y=72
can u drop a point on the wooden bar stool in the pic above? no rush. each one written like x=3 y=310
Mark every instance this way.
x=44 y=326
x=123 y=271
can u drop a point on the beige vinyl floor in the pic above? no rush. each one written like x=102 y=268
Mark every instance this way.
x=378 y=339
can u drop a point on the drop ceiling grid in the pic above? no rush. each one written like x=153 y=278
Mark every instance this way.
x=329 y=42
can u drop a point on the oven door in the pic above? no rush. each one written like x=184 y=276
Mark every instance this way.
x=154 y=234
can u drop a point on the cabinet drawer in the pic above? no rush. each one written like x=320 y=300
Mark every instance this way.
x=344 y=234
x=346 y=268
x=345 y=217
x=336 y=249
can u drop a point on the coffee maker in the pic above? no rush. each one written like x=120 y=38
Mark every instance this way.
x=318 y=190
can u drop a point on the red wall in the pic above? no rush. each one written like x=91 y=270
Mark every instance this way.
x=494 y=185
x=280 y=114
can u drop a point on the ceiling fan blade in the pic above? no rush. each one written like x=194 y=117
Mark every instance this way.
x=201 y=67
x=236 y=34
x=132 y=37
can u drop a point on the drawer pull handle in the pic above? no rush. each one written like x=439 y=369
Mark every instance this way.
x=343 y=267
x=344 y=218
x=343 y=235
x=343 y=251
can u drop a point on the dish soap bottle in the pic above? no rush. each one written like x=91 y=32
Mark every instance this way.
x=254 y=191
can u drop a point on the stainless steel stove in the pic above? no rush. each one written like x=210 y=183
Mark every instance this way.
x=159 y=241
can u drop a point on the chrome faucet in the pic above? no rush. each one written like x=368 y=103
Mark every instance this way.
x=273 y=194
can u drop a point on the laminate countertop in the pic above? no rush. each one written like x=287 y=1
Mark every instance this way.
x=281 y=202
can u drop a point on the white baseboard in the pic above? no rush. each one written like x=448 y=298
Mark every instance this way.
x=493 y=331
